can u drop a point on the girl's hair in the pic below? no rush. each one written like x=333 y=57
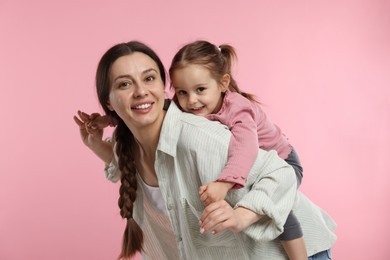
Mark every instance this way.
x=218 y=60
x=125 y=143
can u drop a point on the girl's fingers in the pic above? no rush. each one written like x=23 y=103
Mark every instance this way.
x=203 y=197
x=202 y=189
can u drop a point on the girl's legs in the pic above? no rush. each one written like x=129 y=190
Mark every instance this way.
x=294 y=161
x=292 y=239
x=324 y=255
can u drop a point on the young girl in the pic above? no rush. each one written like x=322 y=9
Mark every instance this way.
x=201 y=77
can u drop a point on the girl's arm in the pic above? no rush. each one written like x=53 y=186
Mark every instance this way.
x=243 y=146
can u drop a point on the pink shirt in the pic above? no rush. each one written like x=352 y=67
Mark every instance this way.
x=250 y=129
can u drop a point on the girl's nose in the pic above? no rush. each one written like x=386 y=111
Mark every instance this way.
x=192 y=99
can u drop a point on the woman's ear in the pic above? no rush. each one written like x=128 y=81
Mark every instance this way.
x=225 y=82
x=109 y=105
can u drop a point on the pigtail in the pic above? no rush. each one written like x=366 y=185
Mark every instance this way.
x=133 y=235
x=229 y=55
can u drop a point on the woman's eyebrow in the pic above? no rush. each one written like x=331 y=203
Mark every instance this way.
x=121 y=76
x=129 y=76
x=149 y=70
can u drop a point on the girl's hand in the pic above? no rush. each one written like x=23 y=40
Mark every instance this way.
x=214 y=191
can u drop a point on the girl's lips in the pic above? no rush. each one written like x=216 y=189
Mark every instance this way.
x=197 y=110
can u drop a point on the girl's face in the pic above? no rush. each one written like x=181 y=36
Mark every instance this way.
x=196 y=91
x=136 y=91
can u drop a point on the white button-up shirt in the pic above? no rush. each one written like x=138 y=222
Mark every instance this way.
x=193 y=151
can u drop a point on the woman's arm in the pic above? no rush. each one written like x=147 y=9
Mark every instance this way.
x=272 y=193
x=264 y=205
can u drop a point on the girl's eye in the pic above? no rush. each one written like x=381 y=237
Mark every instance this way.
x=201 y=89
x=181 y=92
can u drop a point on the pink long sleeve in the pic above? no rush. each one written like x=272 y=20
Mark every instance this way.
x=250 y=129
x=243 y=147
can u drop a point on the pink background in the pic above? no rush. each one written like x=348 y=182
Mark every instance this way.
x=321 y=69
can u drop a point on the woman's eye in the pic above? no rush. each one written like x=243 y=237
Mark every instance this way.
x=125 y=84
x=150 y=78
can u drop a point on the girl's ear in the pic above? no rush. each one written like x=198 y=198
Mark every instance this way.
x=225 y=82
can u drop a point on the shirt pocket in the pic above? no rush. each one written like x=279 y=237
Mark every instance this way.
x=224 y=239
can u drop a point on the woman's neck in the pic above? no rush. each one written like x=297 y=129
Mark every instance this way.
x=147 y=139
x=145 y=156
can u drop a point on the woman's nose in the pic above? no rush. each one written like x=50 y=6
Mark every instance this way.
x=140 y=90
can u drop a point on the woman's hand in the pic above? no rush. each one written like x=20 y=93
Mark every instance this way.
x=220 y=215
x=90 y=133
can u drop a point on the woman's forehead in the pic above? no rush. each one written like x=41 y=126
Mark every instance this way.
x=133 y=64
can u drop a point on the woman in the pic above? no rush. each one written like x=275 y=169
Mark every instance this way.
x=163 y=156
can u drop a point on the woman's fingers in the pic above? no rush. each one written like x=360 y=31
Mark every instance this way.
x=78 y=121
x=216 y=217
x=83 y=116
x=94 y=115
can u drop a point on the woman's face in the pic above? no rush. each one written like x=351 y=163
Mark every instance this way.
x=137 y=91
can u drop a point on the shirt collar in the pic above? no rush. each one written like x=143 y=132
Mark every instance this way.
x=170 y=130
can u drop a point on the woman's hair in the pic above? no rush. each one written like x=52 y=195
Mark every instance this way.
x=125 y=143
x=218 y=60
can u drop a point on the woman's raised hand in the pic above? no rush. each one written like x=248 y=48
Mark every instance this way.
x=91 y=132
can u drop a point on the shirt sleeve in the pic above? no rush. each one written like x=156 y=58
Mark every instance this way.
x=243 y=146
x=272 y=193
x=111 y=170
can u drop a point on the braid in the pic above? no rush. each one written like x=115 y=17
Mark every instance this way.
x=133 y=235
x=125 y=141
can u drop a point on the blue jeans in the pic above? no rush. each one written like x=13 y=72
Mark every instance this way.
x=324 y=255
